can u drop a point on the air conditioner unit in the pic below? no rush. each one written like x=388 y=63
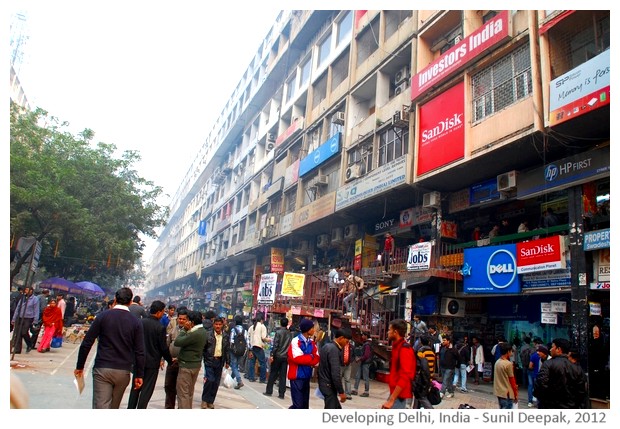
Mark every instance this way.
x=431 y=199
x=402 y=87
x=271 y=137
x=337 y=235
x=338 y=118
x=322 y=240
x=452 y=307
x=350 y=231
x=321 y=180
x=401 y=75
x=400 y=116
x=353 y=172
x=507 y=181
x=263 y=233
x=303 y=245
x=269 y=146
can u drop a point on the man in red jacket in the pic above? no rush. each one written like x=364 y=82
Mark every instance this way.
x=303 y=355
x=402 y=367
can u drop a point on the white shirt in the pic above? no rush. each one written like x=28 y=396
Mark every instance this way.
x=257 y=334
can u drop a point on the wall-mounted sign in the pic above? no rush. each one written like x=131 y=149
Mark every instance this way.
x=580 y=90
x=549 y=318
x=558 y=306
x=491 y=269
x=441 y=138
x=419 y=257
x=456 y=58
x=267 y=289
x=321 y=154
x=600 y=239
x=541 y=255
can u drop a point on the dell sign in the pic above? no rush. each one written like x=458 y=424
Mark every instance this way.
x=493 y=270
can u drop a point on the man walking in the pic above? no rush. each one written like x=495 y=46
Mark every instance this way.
x=279 y=359
x=402 y=367
x=120 y=347
x=26 y=314
x=191 y=340
x=237 y=355
x=172 y=370
x=504 y=382
x=303 y=355
x=215 y=358
x=448 y=361
x=560 y=383
x=351 y=287
x=156 y=351
x=364 y=369
x=330 y=381
x=258 y=336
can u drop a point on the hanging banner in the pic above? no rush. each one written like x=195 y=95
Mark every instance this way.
x=419 y=258
x=267 y=289
x=293 y=284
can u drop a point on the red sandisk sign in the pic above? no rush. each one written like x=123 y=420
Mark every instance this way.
x=541 y=255
x=442 y=130
x=491 y=33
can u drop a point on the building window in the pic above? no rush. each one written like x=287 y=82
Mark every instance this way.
x=502 y=84
x=290 y=89
x=320 y=90
x=368 y=42
x=305 y=72
x=324 y=50
x=393 y=20
x=577 y=39
x=340 y=70
x=361 y=154
x=392 y=144
x=344 y=28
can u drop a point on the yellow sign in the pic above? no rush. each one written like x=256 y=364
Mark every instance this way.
x=293 y=284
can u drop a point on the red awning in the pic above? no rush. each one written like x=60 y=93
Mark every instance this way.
x=546 y=26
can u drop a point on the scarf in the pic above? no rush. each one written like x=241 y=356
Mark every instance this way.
x=53 y=316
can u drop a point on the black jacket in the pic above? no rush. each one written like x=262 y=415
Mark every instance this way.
x=448 y=358
x=209 y=350
x=329 y=369
x=281 y=341
x=154 y=343
x=560 y=384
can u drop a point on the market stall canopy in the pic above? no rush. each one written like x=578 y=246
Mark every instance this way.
x=91 y=288
x=60 y=284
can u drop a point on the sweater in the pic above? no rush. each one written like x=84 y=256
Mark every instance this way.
x=120 y=341
x=192 y=344
x=155 y=342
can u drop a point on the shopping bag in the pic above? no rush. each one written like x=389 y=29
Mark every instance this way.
x=229 y=382
x=56 y=342
x=318 y=393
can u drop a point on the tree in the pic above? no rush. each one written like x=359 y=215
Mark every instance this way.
x=87 y=207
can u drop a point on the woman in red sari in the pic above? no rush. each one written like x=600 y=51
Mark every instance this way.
x=52 y=322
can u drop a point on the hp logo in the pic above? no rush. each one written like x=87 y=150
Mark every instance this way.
x=551 y=172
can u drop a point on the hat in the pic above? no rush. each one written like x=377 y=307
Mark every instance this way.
x=305 y=325
x=542 y=349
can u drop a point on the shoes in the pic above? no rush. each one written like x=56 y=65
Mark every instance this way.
x=353 y=392
x=210 y=406
x=253 y=380
x=263 y=382
x=28 y=349
x=47 y=349
x=281 y=396
x=203 y=405
x=530 y=405
x=266 y=394
x=441 y=395
x=349 y=397
x=464 y=390
x=364 y=395
x=239 y=385
x=450 y=395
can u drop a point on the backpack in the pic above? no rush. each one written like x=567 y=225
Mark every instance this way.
x=239 y=345
x=422 y=378
x=526 y=354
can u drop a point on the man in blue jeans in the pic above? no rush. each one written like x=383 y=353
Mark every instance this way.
x=364 y=369
x=448 y=360
x=257 y=335
x=540 y=355
x=234 y=359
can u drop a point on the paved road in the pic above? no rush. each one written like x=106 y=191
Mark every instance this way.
x=48 y=379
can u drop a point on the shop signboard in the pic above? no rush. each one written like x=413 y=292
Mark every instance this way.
x=541 y=255
x=491 y=269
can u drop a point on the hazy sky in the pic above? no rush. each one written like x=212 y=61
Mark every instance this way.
x=142 y=76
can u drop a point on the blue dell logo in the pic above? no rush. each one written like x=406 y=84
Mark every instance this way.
x=551 y=172
x=501 y=268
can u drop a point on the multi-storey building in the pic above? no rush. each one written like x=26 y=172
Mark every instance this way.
x=425 y=124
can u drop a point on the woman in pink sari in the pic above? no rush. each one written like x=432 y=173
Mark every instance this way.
x=52 y=322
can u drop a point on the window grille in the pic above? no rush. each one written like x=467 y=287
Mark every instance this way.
x=392 y=144
x=502 y=84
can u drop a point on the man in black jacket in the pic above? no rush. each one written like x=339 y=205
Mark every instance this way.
x=215 y=357
x=155 y=350
x=448 y=361
x=278 y=360
x=330 y=380
x=560 y=383
x=120 y=347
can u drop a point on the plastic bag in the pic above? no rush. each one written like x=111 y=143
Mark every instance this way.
x=229 y=382
x=56 y=342
x=318 y=393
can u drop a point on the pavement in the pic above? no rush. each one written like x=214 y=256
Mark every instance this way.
x=49 y=384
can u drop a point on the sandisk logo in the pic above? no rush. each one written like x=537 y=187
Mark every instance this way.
x=541 y=249
x=443 y=126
